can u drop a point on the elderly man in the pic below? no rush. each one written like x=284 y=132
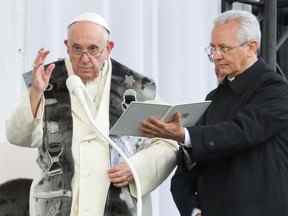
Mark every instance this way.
x=237 y=162
x=75 y=159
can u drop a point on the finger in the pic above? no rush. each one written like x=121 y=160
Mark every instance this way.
x=119 y=167
x=147 y=124
x=49 y=70
x=44 y=55
x=156 y=123
x=119 y=173
x=123 y=184
x=113 y=170
x=41 y=55
x=177 y=118
x=145 y=129
x=40 y=58
x=37 y=66
x=115 y=174
x=120 y=179
x=152 y=126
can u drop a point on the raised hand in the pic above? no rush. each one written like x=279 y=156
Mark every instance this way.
x=40 y=79
x=40 y=76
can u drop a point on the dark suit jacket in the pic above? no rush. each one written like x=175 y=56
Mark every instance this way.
x=241 y=149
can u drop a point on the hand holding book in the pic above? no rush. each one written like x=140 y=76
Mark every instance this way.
x=172 y=129
x=129 y=122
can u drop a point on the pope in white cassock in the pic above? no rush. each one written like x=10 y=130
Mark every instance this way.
x=81 y=173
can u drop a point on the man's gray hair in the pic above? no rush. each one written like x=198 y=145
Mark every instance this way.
x=249 y=27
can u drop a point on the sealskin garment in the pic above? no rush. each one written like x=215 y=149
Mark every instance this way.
x=74 y=159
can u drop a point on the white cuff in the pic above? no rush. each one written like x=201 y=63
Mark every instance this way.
x=196 y=211
x=187 y=140
x=40 y=111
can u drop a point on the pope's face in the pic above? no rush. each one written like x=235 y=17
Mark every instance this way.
x=88 y=48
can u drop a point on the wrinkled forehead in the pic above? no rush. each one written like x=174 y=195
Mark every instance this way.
x=85 y=31
x=225 y=33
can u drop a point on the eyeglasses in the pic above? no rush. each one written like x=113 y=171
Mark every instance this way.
x=223 y=50
x=92 y=50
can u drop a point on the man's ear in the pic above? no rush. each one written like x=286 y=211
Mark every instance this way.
x=66 y=44
x=110 y=46
x=253 y=46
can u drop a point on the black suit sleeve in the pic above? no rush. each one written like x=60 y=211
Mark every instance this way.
x=264 y=116
x=183 y=187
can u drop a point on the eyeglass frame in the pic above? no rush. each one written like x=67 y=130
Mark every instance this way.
x=79 y=53
x=224 y=50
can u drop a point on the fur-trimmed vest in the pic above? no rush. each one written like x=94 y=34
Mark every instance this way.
x=54 y=193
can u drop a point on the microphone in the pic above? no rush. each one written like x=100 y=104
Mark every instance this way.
x=74 y=85
x=129 y=96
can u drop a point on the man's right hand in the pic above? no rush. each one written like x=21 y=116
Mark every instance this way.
x=40 y=79
x=154 y=127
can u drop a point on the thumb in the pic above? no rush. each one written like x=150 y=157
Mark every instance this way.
x=177 y=117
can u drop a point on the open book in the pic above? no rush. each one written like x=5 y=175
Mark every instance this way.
x=128 y=123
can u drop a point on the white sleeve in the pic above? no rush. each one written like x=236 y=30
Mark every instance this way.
x=21 y=127
x=153 y=164
x=196 y=211
x=187 y=141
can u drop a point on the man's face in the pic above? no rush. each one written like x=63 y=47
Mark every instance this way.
x=230 y=56
x=88 y=48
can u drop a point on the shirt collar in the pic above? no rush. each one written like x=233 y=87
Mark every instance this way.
x=247 y=79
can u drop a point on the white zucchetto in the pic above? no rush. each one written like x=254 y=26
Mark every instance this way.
x=91 y=17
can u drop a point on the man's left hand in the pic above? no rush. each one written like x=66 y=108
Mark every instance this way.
x=120 y=175
x=153 y=127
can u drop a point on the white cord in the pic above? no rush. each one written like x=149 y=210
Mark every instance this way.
x=76 y=87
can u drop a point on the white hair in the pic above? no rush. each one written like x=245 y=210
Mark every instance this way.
x=249 y=27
